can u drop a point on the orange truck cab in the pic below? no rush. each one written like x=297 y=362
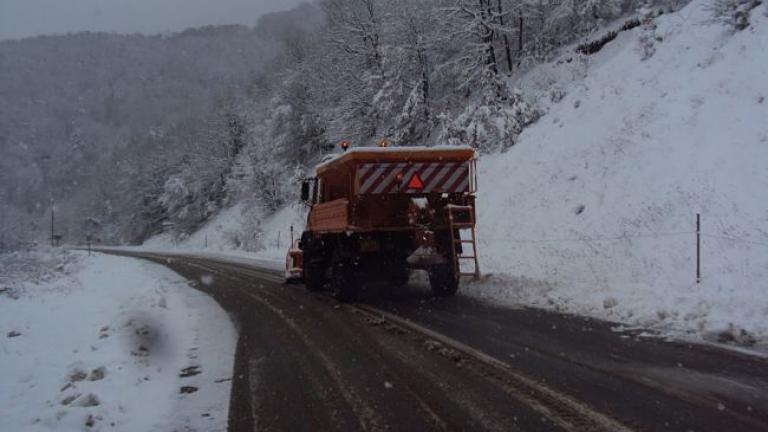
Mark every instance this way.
x=378 y=212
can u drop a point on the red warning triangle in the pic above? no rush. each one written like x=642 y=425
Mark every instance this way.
x=415 y=182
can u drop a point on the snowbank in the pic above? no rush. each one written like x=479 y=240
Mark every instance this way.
x=114 y=344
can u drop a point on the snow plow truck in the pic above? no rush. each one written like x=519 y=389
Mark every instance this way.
x=375 y=213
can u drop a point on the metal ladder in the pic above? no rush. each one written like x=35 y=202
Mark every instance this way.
x=456 y=224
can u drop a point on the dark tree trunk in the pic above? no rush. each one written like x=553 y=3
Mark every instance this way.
x=488 y=37
x=506 y=38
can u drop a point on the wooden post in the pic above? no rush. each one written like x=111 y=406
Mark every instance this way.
x=698 y=248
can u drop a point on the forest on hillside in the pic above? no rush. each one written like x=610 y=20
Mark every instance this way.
x=127 y=136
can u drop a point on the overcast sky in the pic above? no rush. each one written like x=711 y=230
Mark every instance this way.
x=21 y=18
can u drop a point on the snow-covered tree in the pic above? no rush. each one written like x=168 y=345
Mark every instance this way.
x=143 y=134
x=733 y=13
x=491 y=124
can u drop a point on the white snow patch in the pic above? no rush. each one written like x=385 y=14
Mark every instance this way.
x=105 y=347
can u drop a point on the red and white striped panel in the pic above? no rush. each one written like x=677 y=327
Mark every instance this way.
x=394 y=177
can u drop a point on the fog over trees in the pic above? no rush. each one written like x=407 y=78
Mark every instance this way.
x=127 y=136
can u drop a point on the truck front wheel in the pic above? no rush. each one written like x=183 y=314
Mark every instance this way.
x=443 y=280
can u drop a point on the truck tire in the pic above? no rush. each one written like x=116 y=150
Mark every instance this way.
x=344 y=284
x=313 y=273
x=398 y=276
x=443 y=280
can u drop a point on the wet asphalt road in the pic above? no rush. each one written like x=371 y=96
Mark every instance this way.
x=306 y=362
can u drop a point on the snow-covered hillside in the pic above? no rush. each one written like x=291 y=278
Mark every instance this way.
x=596 y=204
x=593 y=211
x=240 y=231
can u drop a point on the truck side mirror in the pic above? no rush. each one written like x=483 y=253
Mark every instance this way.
x=305 y=190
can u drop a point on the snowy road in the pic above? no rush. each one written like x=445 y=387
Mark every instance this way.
x=305 y=362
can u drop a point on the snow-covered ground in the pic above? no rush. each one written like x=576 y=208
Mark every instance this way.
x=593 y=211
x=111 y=343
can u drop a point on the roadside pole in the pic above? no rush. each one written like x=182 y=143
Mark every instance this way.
x=698 y=248
x=53 y=217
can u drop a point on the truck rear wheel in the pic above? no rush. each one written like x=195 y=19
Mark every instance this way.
x=443 y=280
x=313 y=273
x=398 y=276
x=344 y=285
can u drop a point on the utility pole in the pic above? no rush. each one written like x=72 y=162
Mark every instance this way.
x=698 y=248
x=53 y=218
